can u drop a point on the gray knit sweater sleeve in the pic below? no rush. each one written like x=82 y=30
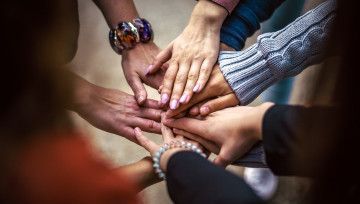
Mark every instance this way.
x=280 y=54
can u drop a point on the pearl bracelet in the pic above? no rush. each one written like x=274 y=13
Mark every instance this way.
x=165 y=147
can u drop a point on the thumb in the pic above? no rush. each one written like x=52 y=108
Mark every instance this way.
x=228 y=154
x=138 y=88
x=160 y=59
x=149 y=145
x=220 y=103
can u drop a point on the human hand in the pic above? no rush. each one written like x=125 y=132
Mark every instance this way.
x=134 y=63
x=192 y=54
x=168 y=138
x=217 y=95
x=114 y=111
x=230 y=133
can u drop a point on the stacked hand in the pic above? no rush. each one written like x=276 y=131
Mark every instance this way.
x=230 y=133
x=168 y=138
x=191 y=56
x=115 y=111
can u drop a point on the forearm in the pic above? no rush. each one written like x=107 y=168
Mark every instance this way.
x=294 y=137
x=278 y=55
x=188 y=180
x=208 y=13
x=81 y=92
x=245 y=20
x=116 y=11
x=141 y=173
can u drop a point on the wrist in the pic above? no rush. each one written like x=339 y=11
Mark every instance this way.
x=164 y=159
x=139 y=48
x=209 y=14
x=81 y=93
x=261 y=110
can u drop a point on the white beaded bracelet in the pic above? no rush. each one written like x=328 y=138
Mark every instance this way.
x=165 y=147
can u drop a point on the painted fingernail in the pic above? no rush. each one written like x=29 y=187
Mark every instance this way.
x=148 y=69
x=204 y=110
x=173 y=104
x=196 y=88
x=183 y=98
x=164 y=98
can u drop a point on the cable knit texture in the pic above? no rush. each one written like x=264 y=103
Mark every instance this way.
x=280 y=54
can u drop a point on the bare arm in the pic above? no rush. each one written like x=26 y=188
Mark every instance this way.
x=115 y=11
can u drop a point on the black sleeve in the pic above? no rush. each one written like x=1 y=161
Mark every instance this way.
x=193 y=179
x=293 y=136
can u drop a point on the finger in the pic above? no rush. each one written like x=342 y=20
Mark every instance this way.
x=160 y=89
x=195 y=126
x=179 y=85
x=150 y=103
x=126 y=132
x=206 y=143
x=145 y=124
x=179 y=137
x=160 y=59
x=195 y=100
x=149 y=145
x=168 y=82
x=152 y=114
x=191 y=80
x=138 y=88
x=220 y=103
x=167 y=133
x=231 y=151
x=195 y=110
x=204 y=75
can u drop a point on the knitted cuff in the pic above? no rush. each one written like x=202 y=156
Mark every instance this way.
x=248 y=78
x=278 y=55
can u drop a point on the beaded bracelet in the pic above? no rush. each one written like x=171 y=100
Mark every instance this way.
x=127 y=34
x=165 y=147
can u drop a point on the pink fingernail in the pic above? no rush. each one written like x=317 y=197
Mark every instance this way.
x=204 y=110
x=148 y=69
x=183 y=98
x=173 y=104
x=196 y=88
x=164 y=98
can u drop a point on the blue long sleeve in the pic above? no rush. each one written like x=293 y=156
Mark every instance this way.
x=245 y=20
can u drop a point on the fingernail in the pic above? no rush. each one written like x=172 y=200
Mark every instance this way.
x=173 y=104
x=196 y=88
x=164 y=98
x=148 y=69
x=204 y=110
x=137 y=130
x=183 y=98
x=140 y=99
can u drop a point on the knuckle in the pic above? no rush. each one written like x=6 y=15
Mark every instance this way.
x=150 y=124
x=180 y=79
x=192 y=77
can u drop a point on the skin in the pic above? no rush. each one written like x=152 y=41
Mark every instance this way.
x=114 y=111
x=141 y=173
x=230 y=133
x=217 y=95
x=168 y=137
x=134 y=61
x=191 y=55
